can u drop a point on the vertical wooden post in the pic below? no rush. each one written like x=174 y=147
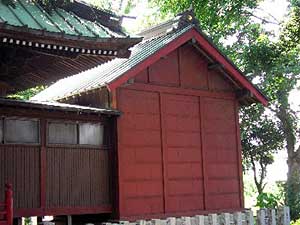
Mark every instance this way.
x=284 y=215
x=271 y=217
x=186 y=220
x=213 y=219
x=225 y=219
x=200 y=220
x=156 y=222
x=203 y=154
x=261 y=217
x=9 y=204
x=238 y=218
x=171 y=221
x=43 y=163
x=69 y=220
x=249 y=217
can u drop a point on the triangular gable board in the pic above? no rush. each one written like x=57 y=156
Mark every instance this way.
x=185 y=67
x=198 y=38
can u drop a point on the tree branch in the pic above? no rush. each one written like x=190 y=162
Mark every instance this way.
x=264 y=20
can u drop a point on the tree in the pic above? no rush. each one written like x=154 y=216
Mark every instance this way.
x=277 y=66
x=261 y=138
x=27 y=94
x=290 y=45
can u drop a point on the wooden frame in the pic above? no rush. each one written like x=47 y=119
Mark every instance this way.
x=77 y=145
x=4 y=142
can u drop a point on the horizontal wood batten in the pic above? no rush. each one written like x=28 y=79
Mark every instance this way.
x=180 y=90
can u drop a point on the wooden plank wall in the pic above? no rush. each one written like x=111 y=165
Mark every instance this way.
x=77 y=178
x=20 y=166
x=178 y=141
x=140 y=159
x=57 y=180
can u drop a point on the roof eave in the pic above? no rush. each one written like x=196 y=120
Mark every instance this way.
x=107 y=43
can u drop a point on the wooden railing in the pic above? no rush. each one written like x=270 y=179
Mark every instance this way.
x=264 y=217
x=7 y=210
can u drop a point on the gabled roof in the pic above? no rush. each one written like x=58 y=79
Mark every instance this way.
x=159 y=41
x=27 y=24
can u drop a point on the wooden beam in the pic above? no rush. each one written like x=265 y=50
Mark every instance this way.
x=215 y=65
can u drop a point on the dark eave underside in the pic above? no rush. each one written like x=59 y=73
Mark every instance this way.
x=21 y=69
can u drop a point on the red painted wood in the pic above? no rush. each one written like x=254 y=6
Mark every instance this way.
x=139 y=150
x=150 y=60
x=217 y=82
x=221 y=151
x=239 y=146
x=203 y=155
x=184 y=181
x=193 y=68
x=181 y=91
x=165 y=71
x=211 y=50
x=207 y=46
x=193 y=163
x=142 y=77
x=163 y=154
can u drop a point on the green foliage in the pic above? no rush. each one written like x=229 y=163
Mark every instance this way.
x=27 y=94
x=220 y=19
x=261 y=138
x=295 y=222
x=268 y=201
x=28 y=221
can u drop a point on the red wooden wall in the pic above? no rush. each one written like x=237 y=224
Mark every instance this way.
x=178 y=140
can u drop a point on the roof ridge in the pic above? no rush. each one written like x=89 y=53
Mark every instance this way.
x=178 y=22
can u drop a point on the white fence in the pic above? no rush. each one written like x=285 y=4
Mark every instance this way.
x=264 y=217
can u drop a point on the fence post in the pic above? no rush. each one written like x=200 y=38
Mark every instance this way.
x=156 y=222
x=9 y=204
x=249 y=217
x=238 y=218
x=271 y=216
x=171 y=221
x=186 y=220
x=199 y=220
x=213 y=219
x=284 y=216
x=225 y=219
x=261 y=217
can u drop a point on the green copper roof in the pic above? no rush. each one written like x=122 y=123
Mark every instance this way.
x=27 y=14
